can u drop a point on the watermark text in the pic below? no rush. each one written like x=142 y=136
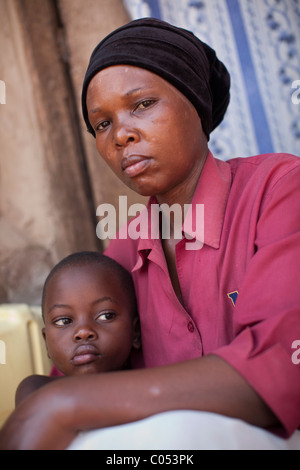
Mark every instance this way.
x=2 y=353
x=151 y=459
x=296 y=93
x=296 y=354
x=153 y=222
x=2 y=92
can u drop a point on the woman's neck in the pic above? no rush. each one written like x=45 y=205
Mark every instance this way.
x=183 y=193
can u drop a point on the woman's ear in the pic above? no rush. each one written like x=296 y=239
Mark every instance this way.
x=136 y=342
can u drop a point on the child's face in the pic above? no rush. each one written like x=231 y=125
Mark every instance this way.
x=147 y=131
x=89 y=323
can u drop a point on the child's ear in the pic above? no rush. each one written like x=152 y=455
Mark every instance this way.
x=44 y=336
x=136 y=343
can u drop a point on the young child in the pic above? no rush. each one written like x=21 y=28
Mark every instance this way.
x=90 y=314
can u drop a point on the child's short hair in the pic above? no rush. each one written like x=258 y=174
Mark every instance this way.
x=84 y=258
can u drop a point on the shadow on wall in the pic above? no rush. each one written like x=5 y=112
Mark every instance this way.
x=23 y=267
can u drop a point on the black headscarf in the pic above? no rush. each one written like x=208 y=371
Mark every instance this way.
x=176 y=55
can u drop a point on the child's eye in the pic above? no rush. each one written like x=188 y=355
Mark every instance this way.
x=62 y=321
x=106 y=316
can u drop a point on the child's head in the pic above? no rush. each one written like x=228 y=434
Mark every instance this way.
x=90 y=314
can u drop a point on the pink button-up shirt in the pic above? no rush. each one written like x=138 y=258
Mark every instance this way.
x=241 y=291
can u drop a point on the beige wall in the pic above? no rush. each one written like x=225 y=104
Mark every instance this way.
x=51 y=178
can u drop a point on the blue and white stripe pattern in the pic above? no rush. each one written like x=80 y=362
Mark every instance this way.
x=259 y=41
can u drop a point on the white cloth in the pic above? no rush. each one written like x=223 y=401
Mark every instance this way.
x=184 y=430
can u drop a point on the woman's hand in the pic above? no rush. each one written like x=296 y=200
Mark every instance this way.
x=40 y=422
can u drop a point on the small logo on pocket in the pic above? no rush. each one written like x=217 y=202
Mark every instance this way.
x=233 y=296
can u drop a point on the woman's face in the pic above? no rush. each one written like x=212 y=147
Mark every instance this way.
x=147 y=131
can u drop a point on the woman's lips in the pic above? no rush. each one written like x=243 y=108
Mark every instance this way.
x=84 y=355
x=135 y=165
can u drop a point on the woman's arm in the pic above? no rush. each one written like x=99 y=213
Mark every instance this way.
x=31 y=384
x=54 y=415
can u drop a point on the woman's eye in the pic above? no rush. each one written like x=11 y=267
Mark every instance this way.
x=145 y=104
x=106 y=316
x=62 y=322
x=102 y=126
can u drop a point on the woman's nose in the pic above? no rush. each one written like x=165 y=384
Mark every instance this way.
x=124 y=135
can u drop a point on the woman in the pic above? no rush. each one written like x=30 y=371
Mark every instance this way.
x=218 y=322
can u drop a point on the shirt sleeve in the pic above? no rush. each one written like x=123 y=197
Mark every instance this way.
x=267 y=312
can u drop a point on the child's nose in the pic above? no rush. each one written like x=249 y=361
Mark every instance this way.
x=85 y=333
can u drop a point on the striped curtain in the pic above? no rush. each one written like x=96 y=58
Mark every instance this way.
x=259 y=41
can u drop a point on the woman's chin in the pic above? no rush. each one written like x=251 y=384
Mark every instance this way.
x=143 y=188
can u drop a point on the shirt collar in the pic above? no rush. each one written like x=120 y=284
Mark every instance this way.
x=212 y=193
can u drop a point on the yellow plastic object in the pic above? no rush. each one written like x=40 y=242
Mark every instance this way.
x=22 y=351
x=41 y=360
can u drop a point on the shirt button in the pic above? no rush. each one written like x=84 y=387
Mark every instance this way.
x=191 y=327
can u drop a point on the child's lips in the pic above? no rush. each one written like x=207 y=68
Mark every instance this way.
x=85 y=354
